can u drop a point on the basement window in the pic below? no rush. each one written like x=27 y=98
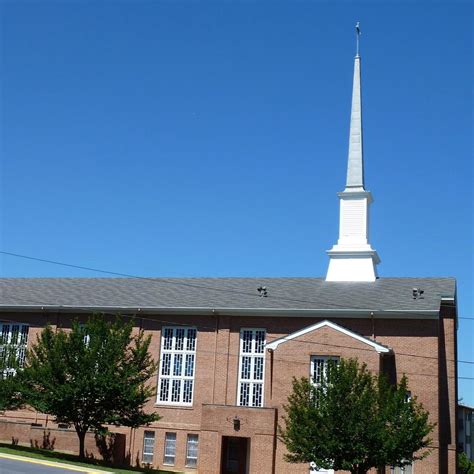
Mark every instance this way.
x=170 y=449
x=148 y=447
x=192 y=450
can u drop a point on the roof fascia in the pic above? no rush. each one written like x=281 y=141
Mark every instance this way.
x=378 y=347
x=270 y=312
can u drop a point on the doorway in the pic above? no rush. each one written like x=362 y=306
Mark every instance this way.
x=235 y=455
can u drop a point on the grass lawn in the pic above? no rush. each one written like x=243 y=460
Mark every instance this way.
x=71 y=459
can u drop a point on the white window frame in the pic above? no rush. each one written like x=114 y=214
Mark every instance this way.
x=402 y=469
x=192 y=440
x=168 y=359
x=170 y=444
x=148 y=449
x=19 y=345
x=253 y=355
x=325 y=360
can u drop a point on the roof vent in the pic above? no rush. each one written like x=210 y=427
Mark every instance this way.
x=418 y=294
x=262 y=291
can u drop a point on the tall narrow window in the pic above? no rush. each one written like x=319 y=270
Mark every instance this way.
x=192 y=450
x=170 y=449
x=320 y=368
x=13 y=342
x=177 y=364
x=148 y=447
x=251 y=367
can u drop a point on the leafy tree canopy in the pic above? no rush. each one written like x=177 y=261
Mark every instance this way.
x=94 y=375
x=9 y=387
x=466 y=466
x=353 y=421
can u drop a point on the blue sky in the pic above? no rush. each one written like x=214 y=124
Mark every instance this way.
x=210 y=138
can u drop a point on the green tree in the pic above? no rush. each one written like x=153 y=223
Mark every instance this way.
x=466 y=466
x=92 y=376
x=353 y=420
x=10 y=363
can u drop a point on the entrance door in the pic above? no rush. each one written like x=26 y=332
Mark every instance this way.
x=235 y=455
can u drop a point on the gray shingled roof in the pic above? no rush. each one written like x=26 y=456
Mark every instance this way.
x=385 y=294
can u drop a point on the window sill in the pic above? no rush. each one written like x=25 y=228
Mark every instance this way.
x=166 y=405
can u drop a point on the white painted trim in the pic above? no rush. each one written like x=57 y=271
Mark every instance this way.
x=253 y=355
x=182 y=377
x=272 y=312
x=378 y=347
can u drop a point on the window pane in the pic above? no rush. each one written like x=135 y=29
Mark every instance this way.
x=251 y=367
x=179 y=339
x=168 y=339
x=5 y=333
x=192 y=450
x=247 y=341
x=259 y=341
x=13 y=356
x=148 y=447
x=178 y=362
x=191 y=340
x=175 y=390
x=189 y=369
x=244 y=393
x=170 y=448
x=164 y=389
x=257 y=395
x=188 y=391
x=245 y=371
x=166 y=364
x=258 y=368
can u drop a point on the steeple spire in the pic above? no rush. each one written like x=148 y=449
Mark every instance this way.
x=355 y=162
x=352 y=258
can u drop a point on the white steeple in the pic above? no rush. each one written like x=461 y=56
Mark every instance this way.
x=352 y=258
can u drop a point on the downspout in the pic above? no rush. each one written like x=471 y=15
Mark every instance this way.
x=216 y=332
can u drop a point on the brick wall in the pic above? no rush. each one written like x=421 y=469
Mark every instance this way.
x=425 y=350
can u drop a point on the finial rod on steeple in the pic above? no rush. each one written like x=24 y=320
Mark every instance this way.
x=357 y=38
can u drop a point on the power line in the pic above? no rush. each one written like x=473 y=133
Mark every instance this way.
x=202 y=326
x=182 y=283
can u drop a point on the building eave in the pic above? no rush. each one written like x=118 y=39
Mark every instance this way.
x=223 y=311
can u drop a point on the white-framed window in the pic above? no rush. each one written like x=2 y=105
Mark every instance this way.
x=251 y=367
x=177 y=366
x=319 y=368
x=192 y=450
x=148 y=447
x=407 y=469
x=170 y=449
x=13 y=342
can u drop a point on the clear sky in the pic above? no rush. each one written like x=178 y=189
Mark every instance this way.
x=201 y=138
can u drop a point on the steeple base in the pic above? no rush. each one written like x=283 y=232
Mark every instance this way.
x=346 y=265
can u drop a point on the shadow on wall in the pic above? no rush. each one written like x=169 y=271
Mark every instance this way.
x=46 y=443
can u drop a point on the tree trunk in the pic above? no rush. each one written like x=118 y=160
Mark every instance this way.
x=82 y=437
x=359 y=470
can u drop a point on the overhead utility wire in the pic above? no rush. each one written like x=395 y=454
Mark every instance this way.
x=180 y=283
x=295 y=361
x=202 y=326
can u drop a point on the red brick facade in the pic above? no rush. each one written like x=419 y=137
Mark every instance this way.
x=424 y=349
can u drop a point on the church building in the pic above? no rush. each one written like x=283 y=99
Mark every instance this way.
x=228 y=348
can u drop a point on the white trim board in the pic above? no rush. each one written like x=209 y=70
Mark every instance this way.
x=378 y=347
